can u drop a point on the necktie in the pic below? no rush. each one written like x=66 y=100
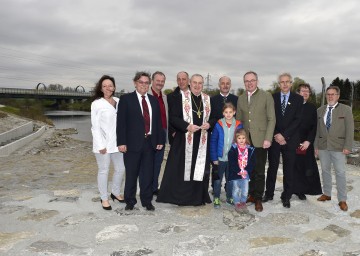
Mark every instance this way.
x=225 y=98
x=283 y=105
x=328 y=118
x=146 y=114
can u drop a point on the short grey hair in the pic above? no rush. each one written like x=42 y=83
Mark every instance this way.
x=284 y=74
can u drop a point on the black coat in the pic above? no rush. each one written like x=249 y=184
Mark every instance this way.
x=217 y=104
x=288 y=125
x=173 y=188
x=306 y=176
x=171 y=98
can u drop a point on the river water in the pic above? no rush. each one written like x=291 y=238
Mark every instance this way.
x=79 y=120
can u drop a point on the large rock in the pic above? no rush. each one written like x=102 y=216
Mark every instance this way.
x=198 y=246
x=115 y=232
x=137 y=252
x=238 y=221
x=38 y=215
x=8 y=240
x=76 y=219
x=58 y=248
x=355 y=214
x=269 y=241
x=284 y=219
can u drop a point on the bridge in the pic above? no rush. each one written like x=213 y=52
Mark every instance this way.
x=46 y=94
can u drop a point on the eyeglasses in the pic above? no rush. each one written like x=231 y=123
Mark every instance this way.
x=285 y=82
x=331 y=94
x=143 y=82
x=250 y=81
x=305 y=91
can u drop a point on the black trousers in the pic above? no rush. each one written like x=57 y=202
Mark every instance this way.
x=139 y=165
x=257 y=176
x=288 y=156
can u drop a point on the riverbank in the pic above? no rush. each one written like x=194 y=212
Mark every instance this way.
x=49 y=205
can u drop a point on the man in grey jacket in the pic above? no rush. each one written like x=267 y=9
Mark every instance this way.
x=333 y=141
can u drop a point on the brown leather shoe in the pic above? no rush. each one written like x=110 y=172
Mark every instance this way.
x=324 y=198
x=250 y=199
x=258 y=206
x=343 y=206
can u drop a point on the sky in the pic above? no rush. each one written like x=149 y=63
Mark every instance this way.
x=74 y=43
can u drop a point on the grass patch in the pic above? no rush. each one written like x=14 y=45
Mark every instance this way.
x=11 y=110
x=31 y=112
x=2 y=114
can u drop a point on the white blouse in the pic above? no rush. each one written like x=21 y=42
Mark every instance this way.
x=103 y=125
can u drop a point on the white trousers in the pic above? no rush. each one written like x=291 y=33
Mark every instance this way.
x=103 y=162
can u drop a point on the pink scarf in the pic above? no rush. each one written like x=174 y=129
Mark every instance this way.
x=242 y=160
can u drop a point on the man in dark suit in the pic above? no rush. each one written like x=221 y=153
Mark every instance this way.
x=139 y=135
x=288 y=111
x=218 y=101
x=182 y=79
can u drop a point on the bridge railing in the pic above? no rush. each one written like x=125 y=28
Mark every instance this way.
x=43 y=92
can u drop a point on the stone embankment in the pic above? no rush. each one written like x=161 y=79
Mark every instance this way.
x=49 y=205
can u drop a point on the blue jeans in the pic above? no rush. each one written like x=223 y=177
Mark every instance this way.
x=240 y=190
x=223 y=168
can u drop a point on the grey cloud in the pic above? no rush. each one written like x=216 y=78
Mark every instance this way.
x=75 y=42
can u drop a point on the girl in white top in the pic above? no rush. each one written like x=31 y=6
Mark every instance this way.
x=103 y=128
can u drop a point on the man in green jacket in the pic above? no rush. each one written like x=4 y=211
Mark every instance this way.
x=255 y=109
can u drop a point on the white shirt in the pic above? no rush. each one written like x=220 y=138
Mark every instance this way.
x=249 y=94
x=327 y=110
x=103 y=125
x=149 y=106
x=287 y=95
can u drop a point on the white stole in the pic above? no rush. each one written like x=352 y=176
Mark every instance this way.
x=201 y=156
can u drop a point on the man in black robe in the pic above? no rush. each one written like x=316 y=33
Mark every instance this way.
x=186 y=176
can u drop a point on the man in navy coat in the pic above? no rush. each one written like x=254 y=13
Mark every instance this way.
x=139 y=135
x=288 y=111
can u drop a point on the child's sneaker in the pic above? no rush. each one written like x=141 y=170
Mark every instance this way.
x=230 y=201
x=241 y=208
x=216 y=203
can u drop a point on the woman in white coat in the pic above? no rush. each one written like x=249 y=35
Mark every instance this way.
x=103 y=128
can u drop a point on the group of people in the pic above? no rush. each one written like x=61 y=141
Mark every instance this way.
x=216 y=137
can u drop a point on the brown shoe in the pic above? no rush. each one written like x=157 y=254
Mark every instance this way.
x=324 y=198
x=343 y=206
x=250 y=199
x=258 y=206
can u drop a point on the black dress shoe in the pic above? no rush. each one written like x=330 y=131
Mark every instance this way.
x=301 y=196
x=115 y=198
x=150 y=207
x=129 y=207
x=286 y=203
x=267 y=198
x=107 y=208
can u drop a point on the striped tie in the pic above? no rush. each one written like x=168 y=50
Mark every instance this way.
x=328 y=118
x=283 y=105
